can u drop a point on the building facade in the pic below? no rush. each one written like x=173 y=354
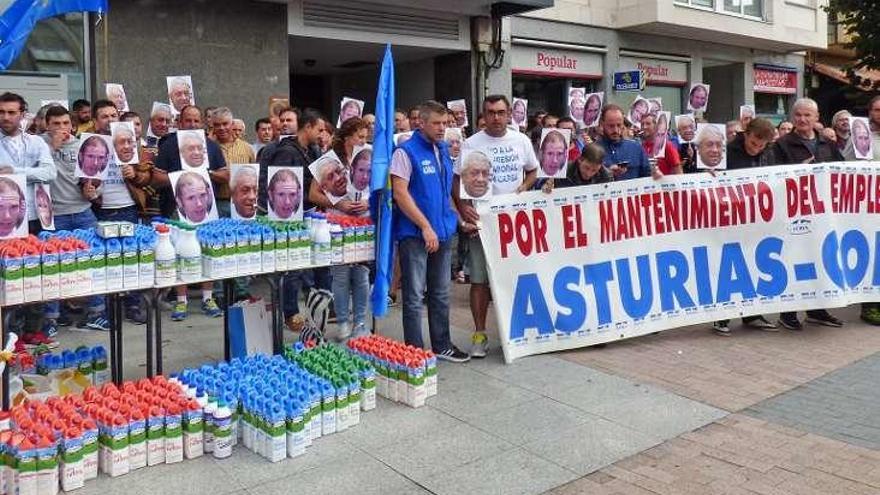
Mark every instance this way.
x=749 y=52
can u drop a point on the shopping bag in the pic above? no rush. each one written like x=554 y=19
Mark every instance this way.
x=249 y=329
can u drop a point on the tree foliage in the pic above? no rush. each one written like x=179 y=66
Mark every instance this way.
x=860 y=20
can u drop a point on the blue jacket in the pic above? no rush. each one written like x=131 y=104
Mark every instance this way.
x=626 y=150
x=430 y=186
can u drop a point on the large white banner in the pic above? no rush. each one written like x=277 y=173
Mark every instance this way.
x=594 y=264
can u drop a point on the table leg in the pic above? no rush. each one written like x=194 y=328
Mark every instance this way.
x=228 y=296
x=157 y=318
x=5 y=321
x=149 y=296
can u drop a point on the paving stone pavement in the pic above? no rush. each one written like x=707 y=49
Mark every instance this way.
x=650 y=415
x=844 y=404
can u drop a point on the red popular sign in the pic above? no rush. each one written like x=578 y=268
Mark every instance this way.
x=775 y=81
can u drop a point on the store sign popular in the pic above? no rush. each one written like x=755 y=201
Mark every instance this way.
x=594 y=264
x=775 y=81
x=658 y=71
x=558 y=63
x=632 y=80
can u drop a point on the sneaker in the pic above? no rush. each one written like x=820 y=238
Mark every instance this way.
x=50 y=328
x=790 y=322
x=136 y=315
x=64 y=321
x=98 y=322
x=761 y=323
x=871 y=316
x=392 y=300
x=479 y=345
x=211 y=309
x=454 y=355
x=721 y=328
x=178 y=311
x=822 y=317
x=36 y=339
x=344 y=331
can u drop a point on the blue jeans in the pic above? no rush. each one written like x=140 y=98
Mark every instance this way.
x=294 y=281
x=351 y=283
x=418 y=270
x=124 y=214
x=82 y=220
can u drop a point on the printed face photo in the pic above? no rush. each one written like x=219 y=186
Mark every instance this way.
x=746 y=112
x=476 y=176
x=576 y=104
x=193 y=148
x=698 y=98
x=13 y=207
x=243 y=187
x=43 y=200
x=116 y=94
x=519 y=112
x=459 y=111
x=860 y=132
x=453 y=138
x=285 y=193
x=553 y=152
x=194 y=196
x=687 y=127
x=349 y=108
x=593 y=109
x=94 y=156
x=333 y=177
x=361 y=168
x=655 y=105
x=637 y=110
x=180 y=92
x=711 y=146
x=124 y=142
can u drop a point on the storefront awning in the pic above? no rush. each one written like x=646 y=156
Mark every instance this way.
x=840 y=75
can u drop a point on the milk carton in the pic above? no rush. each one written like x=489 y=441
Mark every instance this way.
x=72 y=470
x=51 y=283
x=32 y=284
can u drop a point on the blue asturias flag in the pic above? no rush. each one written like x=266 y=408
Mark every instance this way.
x=380 y=185
x=17 y=21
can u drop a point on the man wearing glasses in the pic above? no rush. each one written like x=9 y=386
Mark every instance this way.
x=514 y=169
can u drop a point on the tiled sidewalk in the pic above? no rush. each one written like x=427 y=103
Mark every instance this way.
x=645 y=416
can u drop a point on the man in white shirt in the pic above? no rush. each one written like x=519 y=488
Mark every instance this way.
x=27 y=155
x=514 y=170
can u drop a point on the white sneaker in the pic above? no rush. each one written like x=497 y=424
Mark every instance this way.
x=344 y=331
x=721 y=328
x=479 y=345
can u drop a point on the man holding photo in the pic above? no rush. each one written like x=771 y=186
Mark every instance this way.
x=514 y=170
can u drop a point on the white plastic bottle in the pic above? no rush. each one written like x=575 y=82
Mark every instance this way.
x=222 y=431
x=166 y=257
x=189 y=256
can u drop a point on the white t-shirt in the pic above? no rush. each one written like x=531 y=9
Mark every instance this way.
x=511 y=156
x=114 y=191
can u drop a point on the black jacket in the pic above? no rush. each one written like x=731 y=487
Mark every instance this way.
x=791 y=150
x=738 y=158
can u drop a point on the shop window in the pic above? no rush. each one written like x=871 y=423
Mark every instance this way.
x=56 y=46
x=698 y=3
x=772 y=106
x=548 y=94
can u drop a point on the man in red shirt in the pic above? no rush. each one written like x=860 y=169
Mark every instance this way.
x=653 y=142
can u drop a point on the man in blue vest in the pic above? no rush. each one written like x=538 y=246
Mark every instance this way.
x=425 y=221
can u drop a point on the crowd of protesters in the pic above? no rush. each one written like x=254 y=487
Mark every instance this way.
x=436 y=231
